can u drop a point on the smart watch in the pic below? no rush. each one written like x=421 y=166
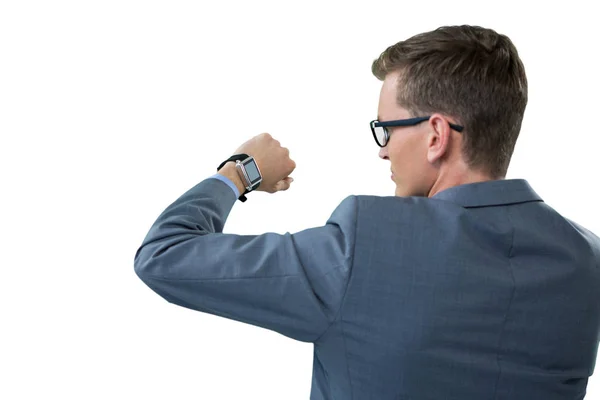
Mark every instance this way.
x=247 y=170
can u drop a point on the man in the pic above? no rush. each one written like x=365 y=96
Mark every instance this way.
x=464 y=285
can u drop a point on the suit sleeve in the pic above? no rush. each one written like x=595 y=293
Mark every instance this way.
x=291 y=283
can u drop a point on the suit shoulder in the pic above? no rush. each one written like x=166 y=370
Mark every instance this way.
x=398 y=201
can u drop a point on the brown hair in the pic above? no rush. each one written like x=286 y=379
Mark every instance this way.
x=470 y=73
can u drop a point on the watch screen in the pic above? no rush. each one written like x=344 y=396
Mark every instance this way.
x=252 y=171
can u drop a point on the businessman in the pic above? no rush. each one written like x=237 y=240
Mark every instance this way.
x=464 y=285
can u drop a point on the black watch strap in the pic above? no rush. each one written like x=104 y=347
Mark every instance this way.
x=236 y=157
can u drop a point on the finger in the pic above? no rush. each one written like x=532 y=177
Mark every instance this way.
x=284 y=184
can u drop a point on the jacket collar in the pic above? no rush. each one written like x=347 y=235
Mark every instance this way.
x=490 y=193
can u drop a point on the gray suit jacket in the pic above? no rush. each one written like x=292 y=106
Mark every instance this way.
x=481 y=292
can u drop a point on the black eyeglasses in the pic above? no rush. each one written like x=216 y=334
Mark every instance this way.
x=381 y=134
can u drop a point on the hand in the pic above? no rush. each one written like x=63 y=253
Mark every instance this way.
x=273 y=161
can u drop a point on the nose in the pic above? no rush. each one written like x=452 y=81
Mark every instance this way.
x=383 y=153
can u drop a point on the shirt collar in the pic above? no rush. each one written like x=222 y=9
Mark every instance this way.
x=490 y=193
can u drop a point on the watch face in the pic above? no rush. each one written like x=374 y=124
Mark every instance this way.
x=252 y=171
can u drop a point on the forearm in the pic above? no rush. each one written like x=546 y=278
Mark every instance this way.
x=230 y=172
x=193 y=217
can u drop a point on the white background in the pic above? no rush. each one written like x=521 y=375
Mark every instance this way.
x=109 y=110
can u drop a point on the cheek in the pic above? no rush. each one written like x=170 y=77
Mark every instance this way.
x=405 y=157
x=397 y=159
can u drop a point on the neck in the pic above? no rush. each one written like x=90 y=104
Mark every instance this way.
x=448 y=178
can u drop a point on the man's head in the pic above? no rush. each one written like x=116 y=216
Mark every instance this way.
x=463 y=75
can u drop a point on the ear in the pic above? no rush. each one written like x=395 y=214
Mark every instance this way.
x=438 y=139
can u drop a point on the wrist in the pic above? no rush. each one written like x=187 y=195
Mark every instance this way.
x=230 y=172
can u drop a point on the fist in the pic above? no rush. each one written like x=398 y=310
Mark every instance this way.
x=273 y=161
